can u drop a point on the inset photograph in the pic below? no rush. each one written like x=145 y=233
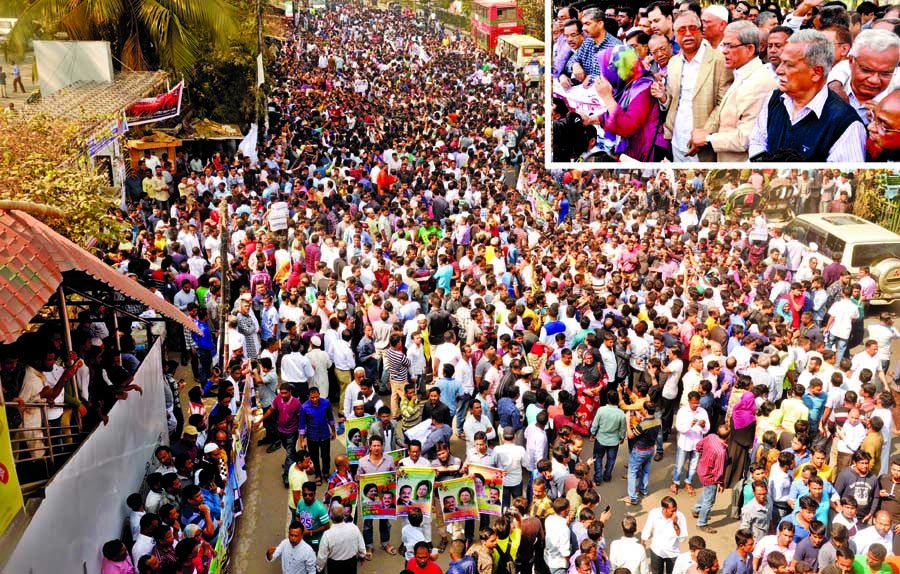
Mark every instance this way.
x=730 y=82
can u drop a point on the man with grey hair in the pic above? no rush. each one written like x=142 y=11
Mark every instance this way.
x=586 y=64
x=803 y=120
x=729 y=131
x=342 y=547
x=697 y=81
x=872 y=71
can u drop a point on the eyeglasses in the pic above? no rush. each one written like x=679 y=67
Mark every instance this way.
x=879 y=124
x=885 y=76
x=741 y=11
x=685 y=29
x=732 y=46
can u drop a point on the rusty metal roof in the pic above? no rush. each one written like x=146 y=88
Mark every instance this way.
x=84 y=101
x=33 y=259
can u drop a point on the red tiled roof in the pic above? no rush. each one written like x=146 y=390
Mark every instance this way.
x=33 y=258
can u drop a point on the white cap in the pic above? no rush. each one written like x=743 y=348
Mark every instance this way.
x=813 y=246
x=720 y=12
x=210 y=447
x=315 y=340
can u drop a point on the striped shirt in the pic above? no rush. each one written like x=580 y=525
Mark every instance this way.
x=398 y=365
x=713 y=458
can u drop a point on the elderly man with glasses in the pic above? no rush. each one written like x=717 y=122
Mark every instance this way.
x=729 y=132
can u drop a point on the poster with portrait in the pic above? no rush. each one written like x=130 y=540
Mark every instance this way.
x=357 y=437
x=379 y=495
x=457 y=499
x=396 y=455
x=347 y=494
x=488 y=488
x=414 y=487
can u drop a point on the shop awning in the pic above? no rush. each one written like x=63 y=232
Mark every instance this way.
x=33 y=259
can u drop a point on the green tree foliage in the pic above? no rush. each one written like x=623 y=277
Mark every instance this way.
x=143 y=34
x=222 y=84
x=533 y=17
x=34 y=169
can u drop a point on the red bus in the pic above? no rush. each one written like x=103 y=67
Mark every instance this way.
x=492 y=18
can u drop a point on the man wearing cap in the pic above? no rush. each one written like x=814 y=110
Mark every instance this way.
x=714 y=19
x=187 y=444
x=320 y=362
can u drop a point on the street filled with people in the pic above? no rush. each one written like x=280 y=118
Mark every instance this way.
x=728 y=82
x=479 y=358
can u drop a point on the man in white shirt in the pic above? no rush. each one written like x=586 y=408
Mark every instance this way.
x=869 y=359
x=536 y=441
x=627 y=552
x=840 y=323
x=510 y=458
x=297 y=557
x=342 y=545
x=692 y=424
x=558 y=545
x=879 y=533
x=665 y=531
x=296 y=370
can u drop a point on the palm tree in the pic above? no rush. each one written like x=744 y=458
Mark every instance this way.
x=143 y=34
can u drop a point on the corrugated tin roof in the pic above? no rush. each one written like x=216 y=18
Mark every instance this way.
x=33 y=258
x=91 y=100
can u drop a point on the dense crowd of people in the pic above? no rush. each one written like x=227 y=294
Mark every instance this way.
x=397 y=250
x=730 y=81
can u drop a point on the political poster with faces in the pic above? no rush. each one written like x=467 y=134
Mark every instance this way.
x=379 y=495
x=488 y=488
x=414 y=488
x=457 y=499
x=357 y=437
x=396 y=455
x=347 y=494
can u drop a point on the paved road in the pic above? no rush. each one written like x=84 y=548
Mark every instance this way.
x=265 y=517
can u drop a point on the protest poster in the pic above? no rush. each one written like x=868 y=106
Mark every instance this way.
x=357 y=437
x=457 y=498
x=580 y=99
x=396 y=455
x=156 y=109
x=378 y=495
x=488 y=488
x=347 y=494
x=414 y=487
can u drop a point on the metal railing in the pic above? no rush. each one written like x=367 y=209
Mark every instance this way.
x=40 y=451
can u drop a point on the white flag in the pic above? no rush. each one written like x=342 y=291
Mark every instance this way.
x=248 y=145
x=260 y=75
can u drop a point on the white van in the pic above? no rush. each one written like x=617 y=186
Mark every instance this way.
x=861 y=243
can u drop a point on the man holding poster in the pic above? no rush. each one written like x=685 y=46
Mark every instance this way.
x=488 y=490
x=356 y=437
x=457 y=498
x=375 y=463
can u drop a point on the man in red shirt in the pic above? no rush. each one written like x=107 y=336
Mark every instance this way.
x=713 y=451
x=421 y=562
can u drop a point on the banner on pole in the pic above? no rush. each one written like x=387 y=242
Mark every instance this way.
x=157 y=109
x=10 y=493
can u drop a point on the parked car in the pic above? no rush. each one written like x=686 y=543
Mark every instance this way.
x=861 y=243
x=774 y=202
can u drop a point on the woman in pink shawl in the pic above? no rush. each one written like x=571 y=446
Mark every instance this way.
x=743 y=431
x=631 y=112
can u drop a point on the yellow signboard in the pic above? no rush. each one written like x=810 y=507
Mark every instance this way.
x=10 y=493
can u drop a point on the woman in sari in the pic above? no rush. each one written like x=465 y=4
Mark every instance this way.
x=589 y=384
x=632 y=112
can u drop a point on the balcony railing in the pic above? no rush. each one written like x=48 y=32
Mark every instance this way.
x=39 y=451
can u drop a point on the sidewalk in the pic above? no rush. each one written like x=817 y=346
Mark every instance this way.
x=25 y=66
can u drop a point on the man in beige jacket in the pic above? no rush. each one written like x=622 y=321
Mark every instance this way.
x=696 y=82
x=729 y=129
